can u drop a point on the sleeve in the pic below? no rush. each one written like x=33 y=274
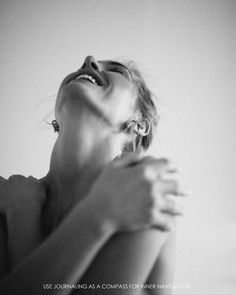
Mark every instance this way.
x=21 y=200
x=3 y=234
x=3 y=247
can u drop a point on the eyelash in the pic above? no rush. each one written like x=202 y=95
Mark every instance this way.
x=116 y=71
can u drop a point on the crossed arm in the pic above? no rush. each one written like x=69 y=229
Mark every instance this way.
x=121 y=264
x=144 y=257
x=87 y=245
x=163 y=269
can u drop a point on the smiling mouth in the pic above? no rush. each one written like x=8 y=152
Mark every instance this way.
x=88 y=78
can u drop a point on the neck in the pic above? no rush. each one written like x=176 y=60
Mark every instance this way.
x=77 y=159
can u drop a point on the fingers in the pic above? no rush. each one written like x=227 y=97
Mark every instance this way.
x=165 y=209
x=163 y=221
x=152 y=168
x=167 y=187
x=158 y=164
x=162 y=192
x=171 y=205
x=166 y=197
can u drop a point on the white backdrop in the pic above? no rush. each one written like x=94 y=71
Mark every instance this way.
x=187 y=51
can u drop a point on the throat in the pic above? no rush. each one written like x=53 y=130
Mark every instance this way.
x=73 y=170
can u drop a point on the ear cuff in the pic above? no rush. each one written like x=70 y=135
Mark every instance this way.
x=139 y=127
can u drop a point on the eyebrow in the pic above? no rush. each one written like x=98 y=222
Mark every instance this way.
x=115 y=63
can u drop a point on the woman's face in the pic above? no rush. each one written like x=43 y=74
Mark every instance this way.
x=105 y=86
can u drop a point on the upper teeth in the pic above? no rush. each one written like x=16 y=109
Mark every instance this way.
x=85 y=76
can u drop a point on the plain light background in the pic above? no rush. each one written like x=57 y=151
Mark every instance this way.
x=187 y=52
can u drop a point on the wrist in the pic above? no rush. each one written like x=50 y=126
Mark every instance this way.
x=96 y=214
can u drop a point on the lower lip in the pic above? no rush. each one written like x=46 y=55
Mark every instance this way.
x=77 y=80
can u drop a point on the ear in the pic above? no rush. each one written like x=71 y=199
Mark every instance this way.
x=142 y=127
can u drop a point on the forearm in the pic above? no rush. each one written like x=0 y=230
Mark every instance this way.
x=133 y=255
x=63 y=257
x=163 y=270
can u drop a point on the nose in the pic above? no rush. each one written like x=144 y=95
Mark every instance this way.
x=91 y=63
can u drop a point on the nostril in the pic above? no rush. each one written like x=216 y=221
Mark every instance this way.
x=84 y=65
x=94 y=65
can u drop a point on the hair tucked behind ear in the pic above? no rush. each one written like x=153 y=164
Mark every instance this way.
x=146 y=106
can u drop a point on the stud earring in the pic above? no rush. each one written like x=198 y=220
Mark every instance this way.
x=55 y=126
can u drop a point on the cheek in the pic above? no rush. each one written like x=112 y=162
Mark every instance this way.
x=119 y=142
x=125 y=101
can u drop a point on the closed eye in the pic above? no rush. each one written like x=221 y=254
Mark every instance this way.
x=116 y=67
x=120 y=70
x=116 y=71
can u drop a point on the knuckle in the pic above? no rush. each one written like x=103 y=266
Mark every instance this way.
x=170 y=204
x=168 y=224
x=173 y=185
x=149 y=174
x=163 y=161
x=145 y=178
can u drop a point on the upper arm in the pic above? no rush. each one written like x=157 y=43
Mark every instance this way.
x=3 y=247
x=163 y=269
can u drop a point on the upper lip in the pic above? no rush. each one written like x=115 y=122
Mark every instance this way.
x=94 y=74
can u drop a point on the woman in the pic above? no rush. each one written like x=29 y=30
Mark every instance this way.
x=93 y=220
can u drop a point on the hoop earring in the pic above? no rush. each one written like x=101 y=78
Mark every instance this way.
x=138 y=128
x=55 y=126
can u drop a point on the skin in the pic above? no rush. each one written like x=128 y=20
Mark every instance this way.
x=93 y=145
x=94 y=218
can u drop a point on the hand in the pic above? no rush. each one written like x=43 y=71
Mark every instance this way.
x=132 y=194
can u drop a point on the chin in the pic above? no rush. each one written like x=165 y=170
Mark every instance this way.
x=78 y=97
x=74 y=101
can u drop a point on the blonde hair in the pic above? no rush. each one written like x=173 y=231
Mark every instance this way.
x=146 y=107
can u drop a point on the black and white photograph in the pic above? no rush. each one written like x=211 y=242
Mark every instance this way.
x=117 y=155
